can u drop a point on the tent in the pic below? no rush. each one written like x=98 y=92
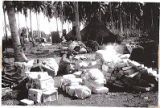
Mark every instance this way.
x=97 y=31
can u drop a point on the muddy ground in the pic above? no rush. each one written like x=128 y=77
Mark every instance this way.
x=114 y=99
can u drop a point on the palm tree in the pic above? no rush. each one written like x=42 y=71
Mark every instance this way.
x=26 y=15
x=134 y=15
x=66 y=11
x=151 y=20
x=21 y=7
x=58 y=13
x=18 y=23
x=19 y=54
x=30 y=11
x=56 y=9
x=77 y=12
x=77 y=25
x=5 y=24
x=120 y=17
x=29 y=6
x=38 y=24
x=57 y=24
x=111 y=15
x=37 y=7
x=62 y=16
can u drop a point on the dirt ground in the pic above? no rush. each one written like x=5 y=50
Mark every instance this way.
x=112 y=99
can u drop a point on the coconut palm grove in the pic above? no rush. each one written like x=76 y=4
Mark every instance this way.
x=76 y=53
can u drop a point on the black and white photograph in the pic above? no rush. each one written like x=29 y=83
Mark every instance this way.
x=79 y=53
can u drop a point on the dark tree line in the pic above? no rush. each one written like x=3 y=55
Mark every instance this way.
x=118 y=16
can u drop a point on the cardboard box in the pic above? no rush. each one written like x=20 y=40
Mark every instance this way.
x=45 y=84
x=36 y=75
x=35 y=95
x=50 y=95
x=26 y=102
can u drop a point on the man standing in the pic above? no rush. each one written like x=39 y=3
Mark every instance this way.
x=22 y=38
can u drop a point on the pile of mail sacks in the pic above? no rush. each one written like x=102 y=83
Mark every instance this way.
x=81 y=84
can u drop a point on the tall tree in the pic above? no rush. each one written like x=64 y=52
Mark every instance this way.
x=26 y=15
x=19 y=54
x=18 y=22
x=82 y=11
x=120 y=17
x=111 y=15
x=77 y=22
x=30 y=11
x=39 y=34
x=151 y=20
x=5 y=23
x=37 y=7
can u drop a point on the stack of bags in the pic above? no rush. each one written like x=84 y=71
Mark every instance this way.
x=81 y=84
x=109 y=67
x=42 y=88
x=124 y=73
x=73 y=86
x=50 y=65
x=111 y=60
x=94 y=79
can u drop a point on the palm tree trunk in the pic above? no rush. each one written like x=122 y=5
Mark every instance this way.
x=62 y=28
x=125 y=22
x=62 y=19
x=26 y=26
x=151 y=18
x=77 y=25
x=139 y=32
x=62 y=22
x=130 y=22
x=19 y=54
x=133 y=21
x=57 y=25
x=18 y=24
x=31 y=37
x=31 y=24
x=117 y=22
x=121 y=25
x=39 y=34
x=112 y=25
x=49 y=27
x=5 y=27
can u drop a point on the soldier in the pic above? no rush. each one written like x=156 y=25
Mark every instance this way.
x=22 y=38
